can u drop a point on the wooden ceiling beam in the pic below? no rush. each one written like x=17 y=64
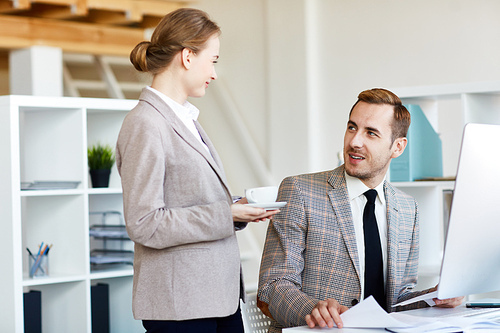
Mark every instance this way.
x=111 y=12
x=143 y=13
x=152 y=11
x=69 y=36
x=7 y=6
x=54 y=11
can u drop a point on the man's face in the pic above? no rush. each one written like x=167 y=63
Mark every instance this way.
x=368 y=146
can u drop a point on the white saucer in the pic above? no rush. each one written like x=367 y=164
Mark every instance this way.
x=268 y=205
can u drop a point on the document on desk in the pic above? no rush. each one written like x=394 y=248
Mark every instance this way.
x=366 y=314
x=443 y=324
x=369 y=314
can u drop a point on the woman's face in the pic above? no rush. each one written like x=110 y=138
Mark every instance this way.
x=202 y=69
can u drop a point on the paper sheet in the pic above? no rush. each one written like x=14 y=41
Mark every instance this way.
x=444 y=324
x=425 y=297
x=368 y=313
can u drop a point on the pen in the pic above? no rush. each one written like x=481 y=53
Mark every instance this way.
x=42 y=250
x=39 y=249
x=47 y=252
x=34 y=260
x=38 y=260
x=31 y=254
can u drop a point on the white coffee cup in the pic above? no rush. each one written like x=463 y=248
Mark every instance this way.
x=262 y=194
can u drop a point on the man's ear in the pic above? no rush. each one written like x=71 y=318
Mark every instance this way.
x=398 y=147
x=186 y=57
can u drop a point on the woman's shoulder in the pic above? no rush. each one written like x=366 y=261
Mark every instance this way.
x=145 y=112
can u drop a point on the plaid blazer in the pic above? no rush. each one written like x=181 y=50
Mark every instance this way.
x=310 y=252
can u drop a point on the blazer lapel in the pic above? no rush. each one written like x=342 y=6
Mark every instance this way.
x=212 y=157
x=339 y=197
x=393 y=234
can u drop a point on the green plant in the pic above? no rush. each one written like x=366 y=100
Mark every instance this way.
x=100 y=157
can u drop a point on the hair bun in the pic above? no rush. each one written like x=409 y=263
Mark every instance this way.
x=139 y=56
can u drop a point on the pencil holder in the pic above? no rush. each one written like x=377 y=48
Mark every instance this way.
x=39 y=266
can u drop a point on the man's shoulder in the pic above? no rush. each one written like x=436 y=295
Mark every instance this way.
x=320 y=175
x=311 y=176
x=400 y=195
x=321 y=178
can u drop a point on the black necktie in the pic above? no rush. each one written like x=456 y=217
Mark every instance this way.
x=374 y=274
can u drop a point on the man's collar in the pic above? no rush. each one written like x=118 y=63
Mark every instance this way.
x=355 y=187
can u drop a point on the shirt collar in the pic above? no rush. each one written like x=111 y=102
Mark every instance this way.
x=356 y=188
x=184 y=111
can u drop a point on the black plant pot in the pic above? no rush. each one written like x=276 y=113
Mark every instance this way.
x=100 y=177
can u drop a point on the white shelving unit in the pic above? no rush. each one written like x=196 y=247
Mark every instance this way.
x=449 y=108
x=42 y=139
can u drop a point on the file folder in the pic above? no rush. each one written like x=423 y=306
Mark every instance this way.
x=423 y=156
x=33 y=311
x=99 y=295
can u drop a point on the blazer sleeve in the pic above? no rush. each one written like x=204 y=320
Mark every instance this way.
x=280 y=282
x=141 y=161
x=410 y=276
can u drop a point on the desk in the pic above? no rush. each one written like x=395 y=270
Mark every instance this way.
x=424 y=312
x=305 y=329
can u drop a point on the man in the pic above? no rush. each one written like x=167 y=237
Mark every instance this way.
x=313 y=265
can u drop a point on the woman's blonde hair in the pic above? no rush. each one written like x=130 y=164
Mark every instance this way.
x=183 y=28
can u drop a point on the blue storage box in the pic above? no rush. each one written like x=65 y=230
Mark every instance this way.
x=423 y=156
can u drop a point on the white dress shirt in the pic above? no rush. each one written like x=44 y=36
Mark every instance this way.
x=356 y=188
x=187 y=113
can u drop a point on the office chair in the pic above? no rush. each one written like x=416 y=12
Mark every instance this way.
x=254 y=320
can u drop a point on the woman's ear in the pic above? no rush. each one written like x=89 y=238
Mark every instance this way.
x=186 y=57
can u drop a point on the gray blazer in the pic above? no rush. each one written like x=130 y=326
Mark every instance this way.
x=177 y=211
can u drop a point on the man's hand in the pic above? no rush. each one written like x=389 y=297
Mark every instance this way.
x=449 y=302
x=326 y=313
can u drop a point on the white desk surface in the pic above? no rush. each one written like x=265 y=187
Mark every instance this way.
x=306 y=329
x=425 y=312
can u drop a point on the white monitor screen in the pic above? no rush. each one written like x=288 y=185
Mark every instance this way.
x=471 y=262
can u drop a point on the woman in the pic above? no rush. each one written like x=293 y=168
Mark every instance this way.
x=177 y=205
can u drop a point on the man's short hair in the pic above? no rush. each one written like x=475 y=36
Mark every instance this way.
x=402 y=119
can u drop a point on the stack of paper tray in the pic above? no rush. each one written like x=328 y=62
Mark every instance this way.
x=99 y=257
x=105 y=255
x=49 y=185
x=109 y=232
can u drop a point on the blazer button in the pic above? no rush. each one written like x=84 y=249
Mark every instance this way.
x=354 y=302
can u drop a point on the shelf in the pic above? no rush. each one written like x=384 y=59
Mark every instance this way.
x=441 y=184
x=448 y=108
x=52 y=279
x=449 y=89
x=124 y=271
x=42 y=193
x=46 y=139
x=104 y=191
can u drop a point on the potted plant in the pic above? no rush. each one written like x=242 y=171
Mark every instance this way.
x=100 y=159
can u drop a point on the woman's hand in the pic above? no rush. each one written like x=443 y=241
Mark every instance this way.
x=244 y=213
